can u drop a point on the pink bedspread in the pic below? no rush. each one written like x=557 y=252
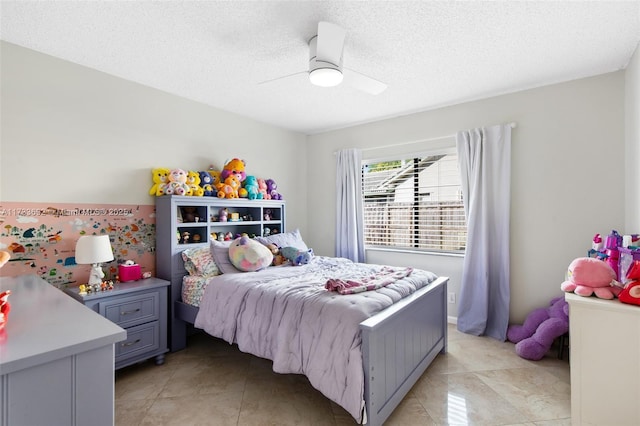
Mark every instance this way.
x=286 y=315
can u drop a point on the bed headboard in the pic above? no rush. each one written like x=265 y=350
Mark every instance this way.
x=187 y=222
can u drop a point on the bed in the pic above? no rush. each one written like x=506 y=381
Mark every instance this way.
x=377 y=342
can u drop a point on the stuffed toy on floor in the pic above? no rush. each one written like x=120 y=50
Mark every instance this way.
x=542 y=326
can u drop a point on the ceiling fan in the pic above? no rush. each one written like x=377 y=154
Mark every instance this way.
x=325 y=62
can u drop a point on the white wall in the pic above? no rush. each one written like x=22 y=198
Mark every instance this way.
x=632 y=128
x=73 y=134
x=567 y=173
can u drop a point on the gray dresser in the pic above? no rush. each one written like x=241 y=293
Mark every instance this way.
x=56 y=358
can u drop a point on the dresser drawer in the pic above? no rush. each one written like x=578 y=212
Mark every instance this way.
x=132 y=310
x=140 y=339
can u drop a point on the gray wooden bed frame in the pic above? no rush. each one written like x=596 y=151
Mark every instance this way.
x=398 y=344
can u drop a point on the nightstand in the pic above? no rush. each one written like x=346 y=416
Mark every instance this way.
x=140 y=307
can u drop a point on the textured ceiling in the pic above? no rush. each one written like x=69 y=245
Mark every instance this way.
x=429 y=53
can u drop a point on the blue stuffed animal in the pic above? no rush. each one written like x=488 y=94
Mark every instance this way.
x=207 y=184
x=251 y=186
x=297 y=256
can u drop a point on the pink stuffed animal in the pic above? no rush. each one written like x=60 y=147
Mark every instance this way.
x=589 y=276
x=534 y=338
x=262 y=189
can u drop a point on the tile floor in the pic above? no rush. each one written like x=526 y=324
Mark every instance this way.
x=480 y=381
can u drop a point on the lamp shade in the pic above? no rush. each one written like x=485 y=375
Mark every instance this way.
x=91 y=249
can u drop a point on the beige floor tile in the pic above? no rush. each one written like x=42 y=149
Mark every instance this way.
x=561 y=371
x=462 y=398
x=130 y=412
x=410 y=412
x=207 y=375
x=195 y=410
x=284 y=400
x=556 y=422
x=480 y=381
x=536 y=392
x=342 y=417
x=142 y=381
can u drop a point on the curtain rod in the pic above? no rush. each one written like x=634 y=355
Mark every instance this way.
x=437 y=138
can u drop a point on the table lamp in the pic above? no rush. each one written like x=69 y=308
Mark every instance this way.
x=94 y=250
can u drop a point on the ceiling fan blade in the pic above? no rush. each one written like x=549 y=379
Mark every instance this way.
x=282 y=77
x=330 y=43
x=363 y=82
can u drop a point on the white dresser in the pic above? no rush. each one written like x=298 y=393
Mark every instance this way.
x=56 y=358
x=605 y=361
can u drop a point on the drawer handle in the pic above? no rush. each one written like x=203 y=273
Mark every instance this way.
x=130 y=312
x=124 y=345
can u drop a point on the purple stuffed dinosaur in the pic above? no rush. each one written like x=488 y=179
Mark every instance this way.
x=533 y=339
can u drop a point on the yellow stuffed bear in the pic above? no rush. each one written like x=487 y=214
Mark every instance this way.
x=193 y=181
x=160 y=181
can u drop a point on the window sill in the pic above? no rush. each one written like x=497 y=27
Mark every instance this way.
x=421 y=252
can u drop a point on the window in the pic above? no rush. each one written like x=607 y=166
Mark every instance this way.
x=414 y=203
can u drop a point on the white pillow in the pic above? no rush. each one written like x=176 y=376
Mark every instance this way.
x=220 y=254
x=285 y=239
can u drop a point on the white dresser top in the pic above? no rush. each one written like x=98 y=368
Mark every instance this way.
x=593 y=302
x=45 y=324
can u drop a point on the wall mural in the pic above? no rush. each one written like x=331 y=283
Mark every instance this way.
x=42 y=238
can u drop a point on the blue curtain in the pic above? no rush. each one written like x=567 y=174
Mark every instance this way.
x=485 y=166
x=349 y=217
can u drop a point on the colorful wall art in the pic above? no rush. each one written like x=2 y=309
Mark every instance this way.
x=41 y=238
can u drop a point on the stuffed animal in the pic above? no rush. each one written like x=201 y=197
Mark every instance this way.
x=587 y=276
x=215 y=176
x=160 y=180
x=272 y=190
x=230 y=187
x=249 y=255
x=207 y=184
x=235 y=167
x=193 y=181
x=278 y=258
x=262 y=189
x=297 y=256
x=223 y=215
x=190 y=214
x=252 y=188
x=177 y=183
x=5 y=307
x=535 y=336
x=631 y=292
x=4 y=257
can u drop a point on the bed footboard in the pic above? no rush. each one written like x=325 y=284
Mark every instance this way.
x=398 y=345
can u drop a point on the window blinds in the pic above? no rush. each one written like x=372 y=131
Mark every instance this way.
x=414 y=203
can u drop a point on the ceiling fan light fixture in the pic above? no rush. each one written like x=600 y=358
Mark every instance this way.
x=325 y=77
